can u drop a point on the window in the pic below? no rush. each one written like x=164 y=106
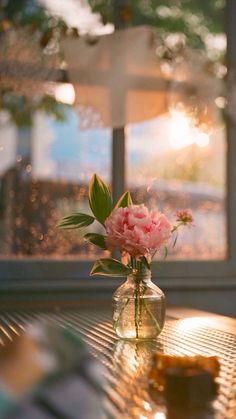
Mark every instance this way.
x=172 y=165
x=45 y=173
x=44 y=177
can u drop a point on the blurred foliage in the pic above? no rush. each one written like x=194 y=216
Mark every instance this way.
x=195 y=20
x=192 y=21
x=33 y=17
x=47 y=30
x=170 y=15
x=21 y=108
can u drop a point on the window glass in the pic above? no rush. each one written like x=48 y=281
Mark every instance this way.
x=172 y=161
x=172 y=165
x=45 y=172
x=178 y=160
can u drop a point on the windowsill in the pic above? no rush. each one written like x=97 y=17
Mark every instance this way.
x=92 y=284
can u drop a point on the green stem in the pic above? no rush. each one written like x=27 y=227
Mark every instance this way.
x=152 y=317
x=134 y=265
x=121 y=311
x=153 y=255
x=137 y=307
x=140 y=308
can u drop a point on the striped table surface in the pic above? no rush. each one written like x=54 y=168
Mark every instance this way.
x=127 y=364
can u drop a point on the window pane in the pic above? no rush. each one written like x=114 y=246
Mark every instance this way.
x=45 y=172
x=172 y=166
x=178 y=160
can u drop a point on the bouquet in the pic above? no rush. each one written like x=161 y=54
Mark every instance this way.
x=132 y=229
x=138 y=234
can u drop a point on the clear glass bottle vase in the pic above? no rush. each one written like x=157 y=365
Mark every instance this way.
x=138 y=308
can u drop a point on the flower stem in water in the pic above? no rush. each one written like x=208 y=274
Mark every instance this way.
x=121 y=311
x=151 y=316
x=137 y=308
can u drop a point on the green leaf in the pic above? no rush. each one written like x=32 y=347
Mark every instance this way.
x=77 y=220
x=165 y=252
x=110 y=267
x=100 y=199
x=145 y=262
x=125 y=200
x=96 y=239
x=175 y=240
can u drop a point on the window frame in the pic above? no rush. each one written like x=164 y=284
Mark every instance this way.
x=63 y=275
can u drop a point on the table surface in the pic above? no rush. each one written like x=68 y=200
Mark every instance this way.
x=127 y=364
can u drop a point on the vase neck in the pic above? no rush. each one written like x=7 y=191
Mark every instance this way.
x=138 y=277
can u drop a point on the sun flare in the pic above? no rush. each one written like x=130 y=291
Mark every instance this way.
x=182 y=132
x=65 y=93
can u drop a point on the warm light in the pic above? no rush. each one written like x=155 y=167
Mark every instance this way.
x=190 y=323
x=65 y=93
x=195 y=322
x=159 y=415
x=202 y=139
x=182 y=132
x=146 y=406
x=220 y=102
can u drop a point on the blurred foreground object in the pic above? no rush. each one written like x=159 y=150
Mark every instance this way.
x=162 y=363
x=47 y=372
x=189 y=386
x=185 y=385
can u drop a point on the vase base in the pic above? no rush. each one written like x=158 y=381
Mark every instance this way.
x=132 y=339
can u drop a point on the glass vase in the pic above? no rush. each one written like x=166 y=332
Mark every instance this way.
x=138 y=308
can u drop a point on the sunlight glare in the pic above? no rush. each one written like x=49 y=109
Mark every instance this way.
x=192 y=323
x=202 y=139
x=182 y=132
x=65 y=93
x=160 y=415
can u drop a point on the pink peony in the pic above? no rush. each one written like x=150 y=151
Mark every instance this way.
x=184 y=216
x=136 y=230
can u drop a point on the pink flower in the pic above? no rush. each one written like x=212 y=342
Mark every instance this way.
x=184 y=216
x=136 y=230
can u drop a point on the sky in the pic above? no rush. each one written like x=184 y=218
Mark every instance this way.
x=77 y=13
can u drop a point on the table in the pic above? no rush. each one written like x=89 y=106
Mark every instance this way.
x=127 y=395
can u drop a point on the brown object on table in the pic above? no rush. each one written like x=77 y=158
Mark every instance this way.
x=162 y=363
x=189 y=387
